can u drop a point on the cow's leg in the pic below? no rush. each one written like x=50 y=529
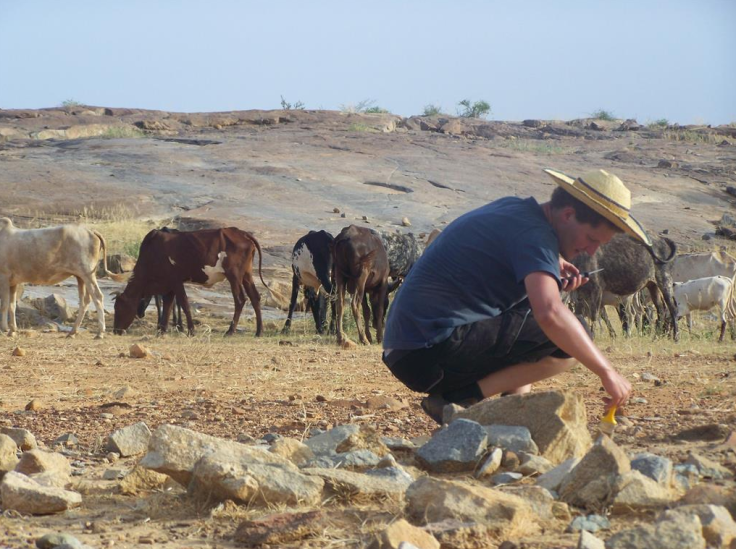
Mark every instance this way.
x=339 y=306
x=664 y=280
x=4 y=303
x=177 y=316
x=84 y=299
x=93 y=290
x=12 y=298
x=292 y=303
x=321 y=317
x=604 y=316
x=238 y=290
x=379 y=298
x=255 y=299
x=367 y=317
x=164 y=311
x=356 y=304
x=181 y=297
x=689 y=317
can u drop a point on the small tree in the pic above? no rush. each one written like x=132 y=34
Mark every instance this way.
x=431 y=110
x=479 y=109
x=602 y=114
x=285 y=105
x=69 y=103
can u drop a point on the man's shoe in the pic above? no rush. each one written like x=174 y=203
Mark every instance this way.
x=436 y=407
x=433 y=406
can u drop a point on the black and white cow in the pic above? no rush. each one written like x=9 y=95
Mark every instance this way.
x=311 y=263
x=403 y=251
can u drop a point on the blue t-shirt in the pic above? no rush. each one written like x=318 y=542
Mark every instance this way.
x=474 y=270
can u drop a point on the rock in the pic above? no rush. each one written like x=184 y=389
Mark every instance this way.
x=174 y=451
x=254 y=478
x=120 y=263
x=590 y=523
x=719 y=529
x=532 y=123
x=34 y=405
x=52 y=541
x=686 y=476
x=397 y=444
x=589 y=541
x=684 y=533
x=22 y=437
x=456 y=448
x=52 y=479
x=541 y=501
x=533 y=465
x=395 y=474
x=25 y=495
x=279 y=529
x=552 y=479
x=713 y=432
x=355 y=460
x=140 y=480
x=405 y=222
x=708 y=468
x=8 y=458
x=138 y=351
x=123 y=392
x=636 y=492
x=402 y=532
x=514 y=438
x=434 y=500
x=113 y=474
x=711 y=494
x=384 y=402
x=453 y=533
x=454 y=126
x=130 y=440
x=556 y=420
x=603 y=463
x=69 y=440
x=366 y=438
x=327 y=443
x=293 y=450
x=506 y=478
x=38 y=461
x=54 y=307
x=358 y=487
x=491 y=464
x=655 y=467
x=18 y=351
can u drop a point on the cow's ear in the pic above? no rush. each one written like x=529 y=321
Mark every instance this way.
x=115 y=294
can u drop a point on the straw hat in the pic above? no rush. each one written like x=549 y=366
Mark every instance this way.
x=607 y=195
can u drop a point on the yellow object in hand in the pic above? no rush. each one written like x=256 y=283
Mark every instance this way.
x=608 y=422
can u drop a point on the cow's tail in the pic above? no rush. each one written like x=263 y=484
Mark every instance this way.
x=730 y=306
x=105 y=272
x=260 y=260
x=661 y=260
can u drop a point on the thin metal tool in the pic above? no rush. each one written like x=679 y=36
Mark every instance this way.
x=584 y=274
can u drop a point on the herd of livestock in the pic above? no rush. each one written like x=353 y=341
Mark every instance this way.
x=359 y=261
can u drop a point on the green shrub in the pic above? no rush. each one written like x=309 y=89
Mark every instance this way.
x=69 y=103
x=602 y=114
x=362 y=107
x=478 y=109
x=661 y=123
x=285 y=105
x=375 y=110
x=431 y=110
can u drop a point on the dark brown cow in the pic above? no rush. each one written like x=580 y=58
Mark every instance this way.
x=361 y=267
x=169 y=259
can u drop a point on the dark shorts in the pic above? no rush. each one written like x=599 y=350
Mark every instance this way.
x=474 y=351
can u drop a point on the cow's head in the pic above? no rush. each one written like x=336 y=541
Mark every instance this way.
x=125 y=310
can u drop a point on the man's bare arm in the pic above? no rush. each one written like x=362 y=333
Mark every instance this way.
x=565 y=331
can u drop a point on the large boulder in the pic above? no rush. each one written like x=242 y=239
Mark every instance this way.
x=456 y=448
x=590 y=483
x=556 y=420
x=252 y=478
x=719 y=529
x=23 y=494
x=684 y=532
x=22 y=437
x=358 y=487
x=634 y=492
x=130 y=440
x=174 y=451
x=53 y=306
x=38 y=461
x=434 y=500
x=8 y=458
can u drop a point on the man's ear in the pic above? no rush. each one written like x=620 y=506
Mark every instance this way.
x=567 y=214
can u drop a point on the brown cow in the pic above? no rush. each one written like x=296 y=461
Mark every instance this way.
x=169 y=259
x=361 y=266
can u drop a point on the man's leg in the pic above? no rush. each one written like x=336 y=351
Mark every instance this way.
x=518 y=379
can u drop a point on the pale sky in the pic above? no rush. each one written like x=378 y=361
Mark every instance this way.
x=549 y=59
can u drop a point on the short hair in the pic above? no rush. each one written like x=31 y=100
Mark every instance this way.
x=583 y=213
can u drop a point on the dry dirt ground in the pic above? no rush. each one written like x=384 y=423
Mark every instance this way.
x=242 y=385
x=280 y=174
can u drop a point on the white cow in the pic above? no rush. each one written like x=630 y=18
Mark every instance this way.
x=702 y=294
x=691 y=266
x=48 y=256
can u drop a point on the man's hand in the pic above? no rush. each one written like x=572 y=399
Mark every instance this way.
x=617 y=387
x=570 y=275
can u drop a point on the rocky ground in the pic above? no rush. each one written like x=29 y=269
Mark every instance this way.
x=281 y=174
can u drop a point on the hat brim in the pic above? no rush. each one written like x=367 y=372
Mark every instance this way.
x=629 y=224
